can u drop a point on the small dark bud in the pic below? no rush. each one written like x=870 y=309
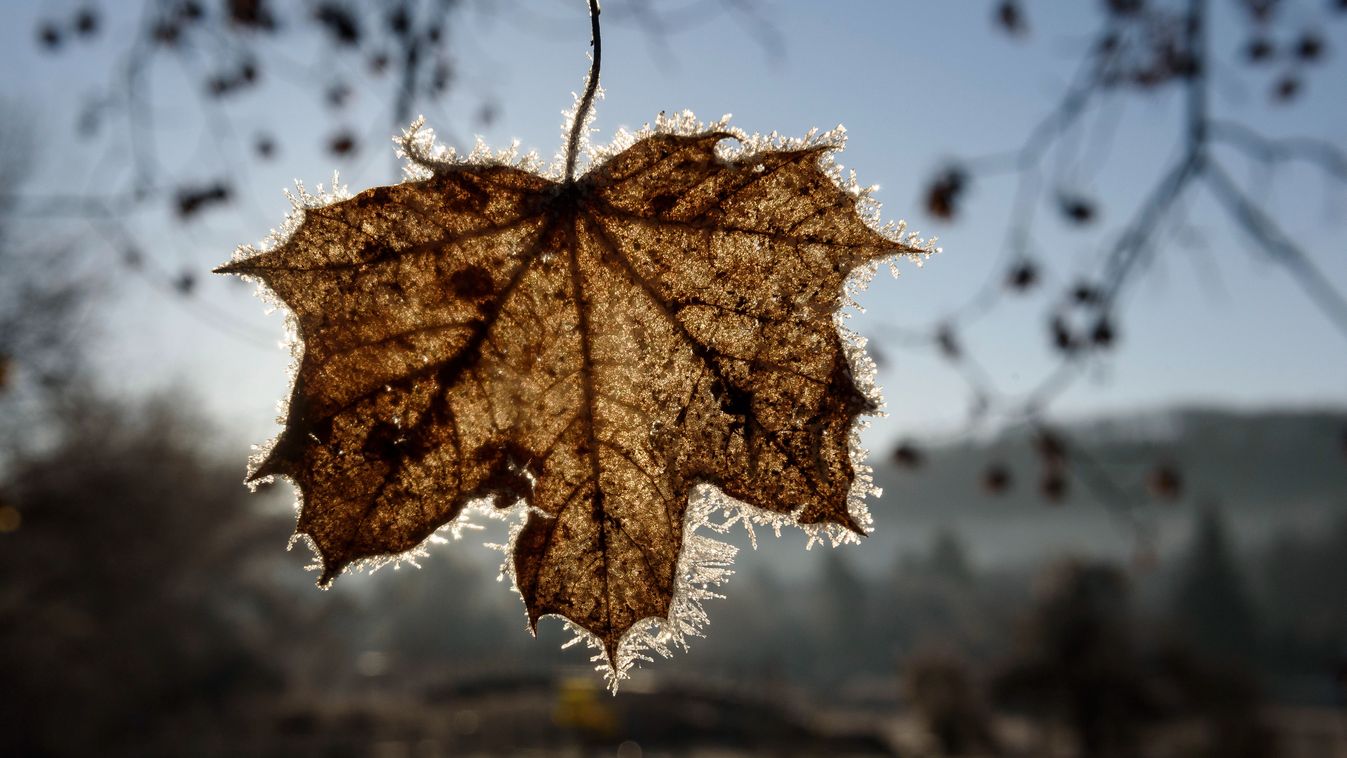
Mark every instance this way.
x=939 y=202
x=1011 y=19
x=191 y=10
x=1077 y=210
x=1123 y=7
x=219 y=86
x=1165 y=483
x=1050 y=448
x=1086 y=294
x=342 y=144
x=1053 y=486
x=1286 y=89
x=1062 y=338
x=265 y=146
x=948 y=343
x=338 y=95
x=996 y=479
x=166 y=33
x=192 y=200
x=1102 y=335
x=1259 y=50
x=86 y=22
x=1023 y=276
x=487 y=114
x=1260 y=10
x=1185 y=66
x=250 y=14
x=340 y=23
x=906 y=455
x=1310 y=48
x=441 y=77
x=399 y=20
x=942 y=195
x=49 y=35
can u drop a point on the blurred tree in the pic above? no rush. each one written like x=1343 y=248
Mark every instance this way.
x=942 y=689
x=139 y=588
x=1224 y=697
x=140 y=606
x=1304 y=581
x=1211 y=601
x=843 y=602
x=438 y=617
x=44 y=296
x=843 y=633
x=948 y=560
x=1077 y=662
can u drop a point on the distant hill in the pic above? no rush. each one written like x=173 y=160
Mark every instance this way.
x=1270 y=470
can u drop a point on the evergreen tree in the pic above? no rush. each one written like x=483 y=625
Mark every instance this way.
x=948 y=558
x=844 y=627
x=1211 y=602
x=1076 y=662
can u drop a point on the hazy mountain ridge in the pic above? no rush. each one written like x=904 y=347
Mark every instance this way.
x=1269 y=470
x=1241 y=459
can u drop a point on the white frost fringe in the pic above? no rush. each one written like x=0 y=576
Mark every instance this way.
x=705 y=562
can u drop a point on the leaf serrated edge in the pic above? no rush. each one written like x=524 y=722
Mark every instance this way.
x=704 y=563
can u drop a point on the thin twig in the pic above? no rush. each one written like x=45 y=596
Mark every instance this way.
x=587 y=101
x=1323 y=154
x=1135 y=243
x=1260 y=226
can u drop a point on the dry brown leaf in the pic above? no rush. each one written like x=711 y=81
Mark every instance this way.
x=593 y=348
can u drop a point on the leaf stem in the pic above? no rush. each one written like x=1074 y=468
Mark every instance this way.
x=591 y=86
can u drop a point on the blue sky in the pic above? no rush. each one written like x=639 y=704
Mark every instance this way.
x=1213 y=322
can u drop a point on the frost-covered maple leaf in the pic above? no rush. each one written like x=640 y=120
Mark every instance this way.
x=614 y=357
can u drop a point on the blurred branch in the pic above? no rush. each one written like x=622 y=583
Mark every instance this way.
x=1326 y=156
x=1263 y=230
x=404 y=50
x=1137 y=48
